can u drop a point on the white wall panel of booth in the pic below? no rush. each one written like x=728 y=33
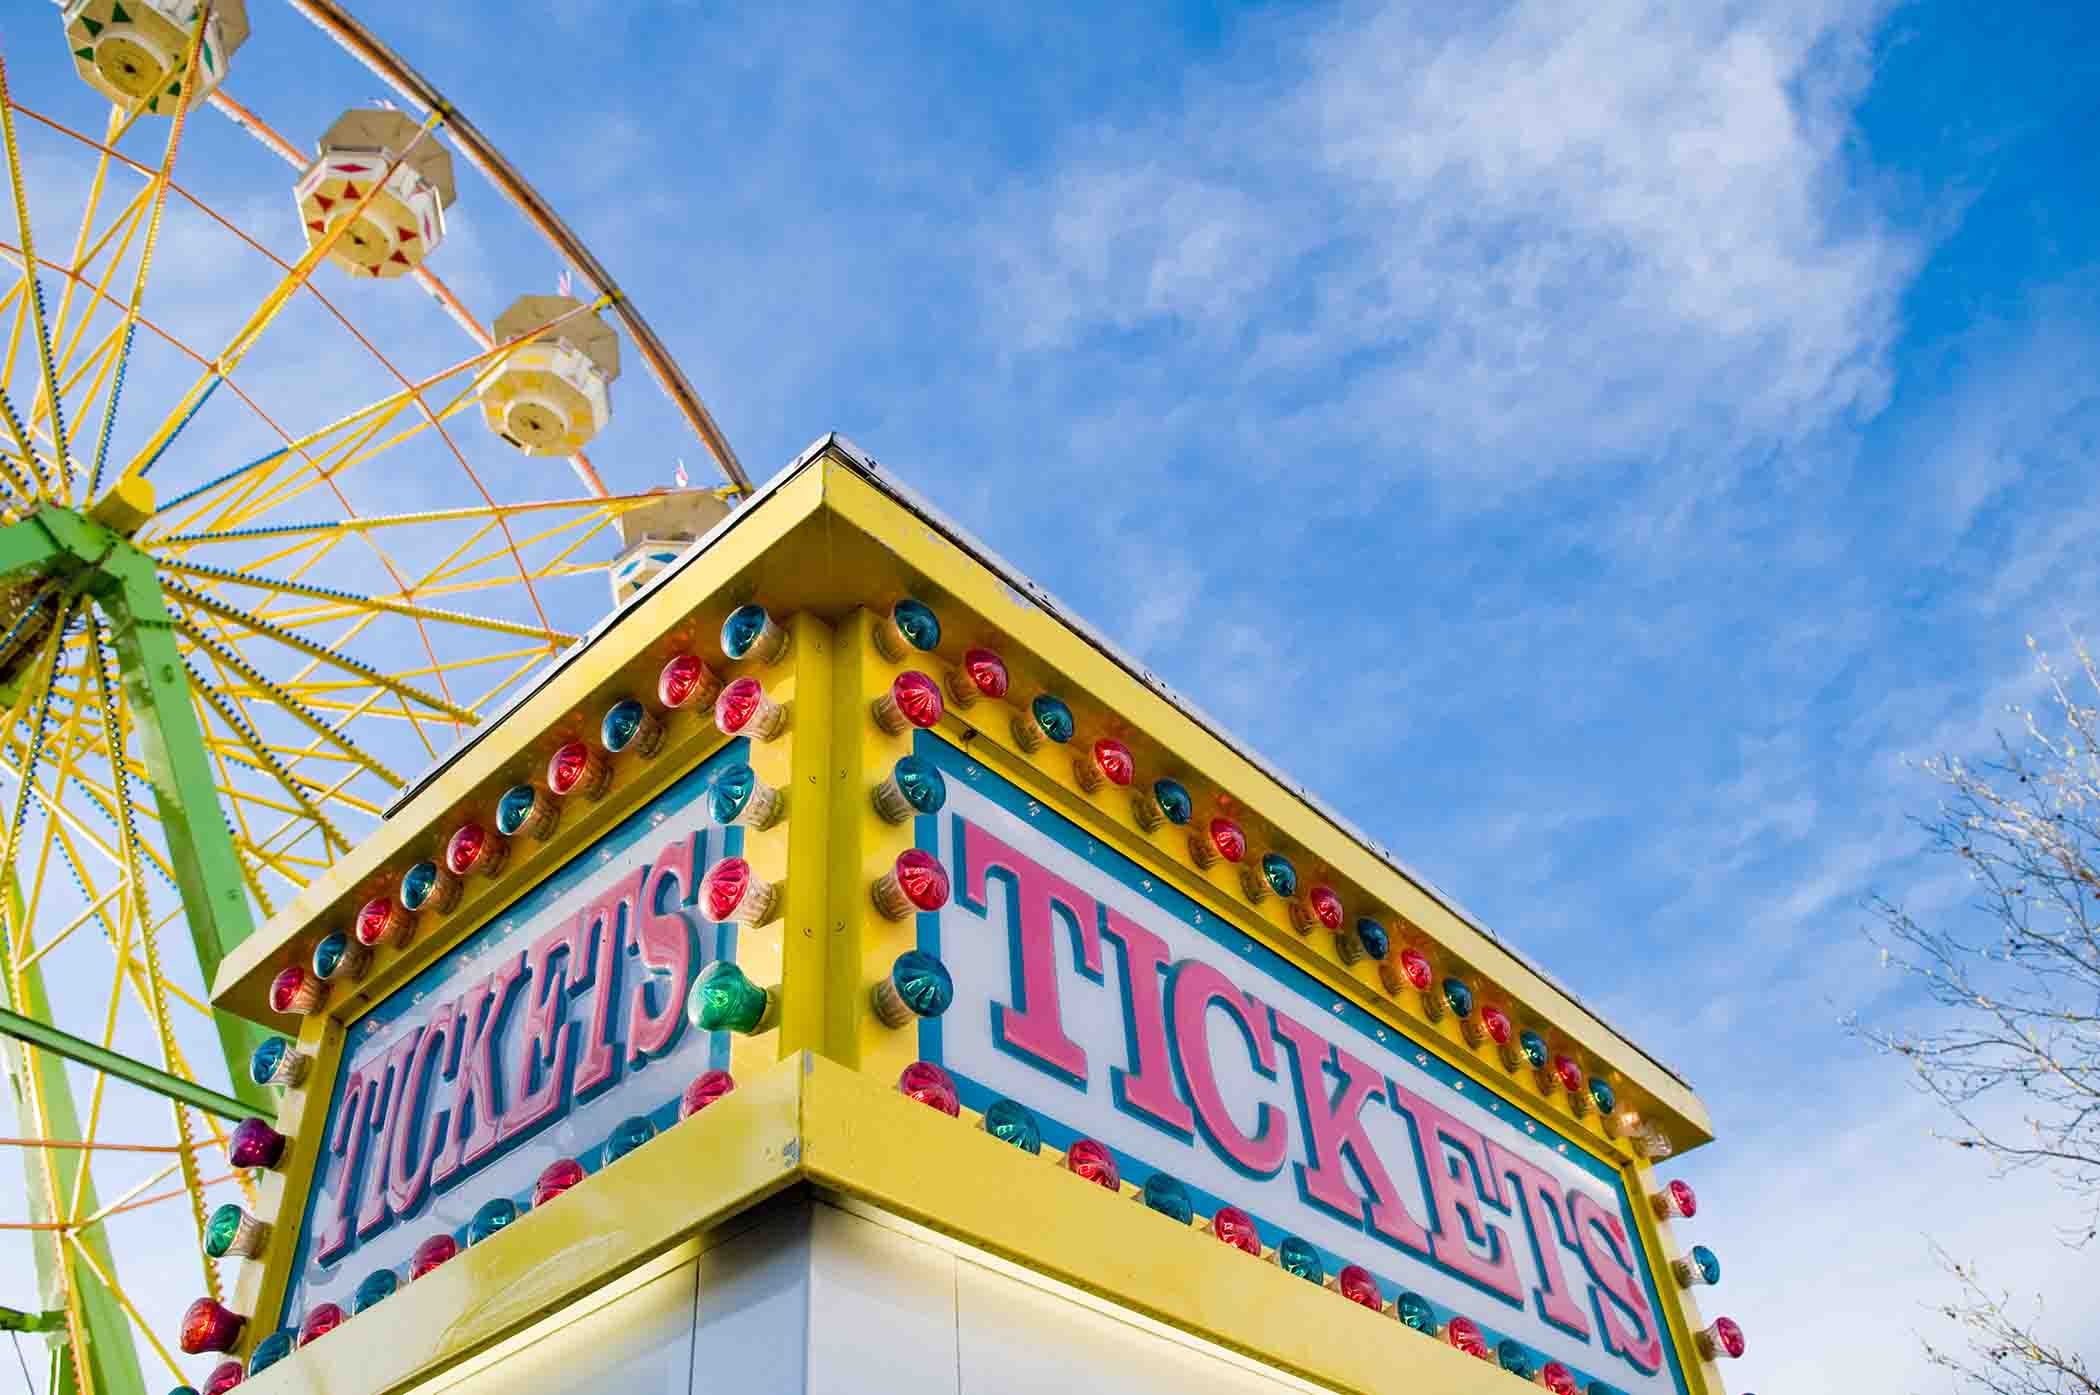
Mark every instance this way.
x=811 y=1297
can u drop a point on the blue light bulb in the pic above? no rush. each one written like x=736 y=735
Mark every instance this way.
x=375 y=1286
x=1053 y=717
x=269 y=1055
x=916 y=621
x=1010 y=1122
x=622 y=720
x=923 y=982
x=743 y=628
x=730 y=793
x=628 y=1135
x=1169 y=1196
x=417 y=884
x=269 y=1351
x=514 y=808
x=490 y=1218
x=1174 y=801
x=921 y=784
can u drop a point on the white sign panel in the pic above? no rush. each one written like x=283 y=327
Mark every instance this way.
x=532 y=1040
x=1117 y=1009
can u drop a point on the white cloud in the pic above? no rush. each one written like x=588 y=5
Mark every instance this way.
x=1534 y=240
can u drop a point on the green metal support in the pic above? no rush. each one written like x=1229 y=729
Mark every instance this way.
x=186 y=798
x=15 y=1320
x=82 y=556
x=160 y=1082
x=113 y=1362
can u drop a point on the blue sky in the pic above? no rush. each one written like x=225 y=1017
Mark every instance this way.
x=1593 y=446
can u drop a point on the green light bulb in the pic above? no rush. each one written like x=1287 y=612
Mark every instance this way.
x=724 y=1000
x=225 y=1223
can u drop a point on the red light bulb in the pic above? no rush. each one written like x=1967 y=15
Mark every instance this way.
x=322 y=1320
x=1416 y=968
x=1557 y=1378
x=210 y=1326
x=1220 y=839
x=731 y=891
x=1236 y=1228
x=983 y=674
x=743 y=709
x=554 y=1179
x=1320 y=909
x=1464 y=1334
x=295 y=991
x=224 y=1377
x=380 y=921
x=578 y=768
x=1676 y=1201
x=913 y=700
x=929 y=1085
x=475 y=849
x=917 y=882
x=685 y=680
x=1109 y=763
x=1723 y=1338
x=705 y=1089
x=1356 y=1284
x=431 y=1253
x=1498 y=1027
x=1094 y=1162
x=727 y=881
x=1569 y=1076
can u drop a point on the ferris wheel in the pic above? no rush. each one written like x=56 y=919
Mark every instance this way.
x=297 y=426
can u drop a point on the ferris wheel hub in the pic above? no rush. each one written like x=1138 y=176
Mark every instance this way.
x=124 y=507
x=132 y=63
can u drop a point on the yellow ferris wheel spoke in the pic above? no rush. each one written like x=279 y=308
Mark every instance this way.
x=365 y=523
x=321 y=653
x=348 y=602
x=159 y=187
x=36 y=289
x=94 y=911
x=116 y=1290
x=250 y=332
x=85 y=254
x=256 y=501
x=269 y=763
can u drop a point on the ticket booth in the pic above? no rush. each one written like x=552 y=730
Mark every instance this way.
x=845 y=971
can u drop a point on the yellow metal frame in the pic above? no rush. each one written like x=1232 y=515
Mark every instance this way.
x=826 y=548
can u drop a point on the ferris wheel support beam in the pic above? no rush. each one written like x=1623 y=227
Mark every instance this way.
x=44 y=1106
x=59 y=544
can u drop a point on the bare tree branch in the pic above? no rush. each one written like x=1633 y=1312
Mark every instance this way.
x=2018 y=983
